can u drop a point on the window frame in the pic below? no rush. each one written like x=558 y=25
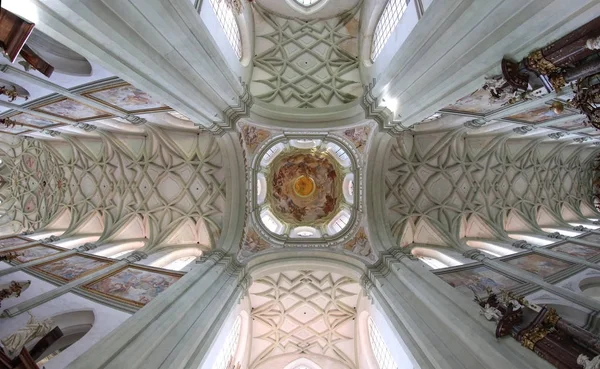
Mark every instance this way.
x=381 y=349
x=229 y=24
x=230 y=345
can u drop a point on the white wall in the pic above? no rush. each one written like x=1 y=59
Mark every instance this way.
x=106 y=318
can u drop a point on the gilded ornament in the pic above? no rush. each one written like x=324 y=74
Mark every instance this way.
x=557 y=107
x=536 y=62
x=534 y=336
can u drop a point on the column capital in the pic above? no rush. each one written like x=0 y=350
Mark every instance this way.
x=87 y=246
x=580 y=228
x=475 y=255
x=557 y=135
x=136 y=256
x=521 y=244
x=523 y=129
x=556 y=235
x=476 y=123
x=215 y=255
x=51 y=239
x=134 y=119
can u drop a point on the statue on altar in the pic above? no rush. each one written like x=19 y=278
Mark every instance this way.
x=586 y=363
x=541 y=330
x=14 y=343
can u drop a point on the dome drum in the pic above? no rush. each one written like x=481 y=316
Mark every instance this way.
x=310 y=193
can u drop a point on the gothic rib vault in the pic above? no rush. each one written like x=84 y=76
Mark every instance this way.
x=438 y=184
x=165 y=187
x=267 y=162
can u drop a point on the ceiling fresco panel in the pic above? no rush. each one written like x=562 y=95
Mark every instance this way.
x=540 y=115
x=127 y=98
x=73 y=110
x=31 y=120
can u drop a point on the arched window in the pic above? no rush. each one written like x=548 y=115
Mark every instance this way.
x=74 y=325
x=388 y=21
x=180 y=263
x=230 y=346
x=307 y=3
x=380 y=350
x=228 y=23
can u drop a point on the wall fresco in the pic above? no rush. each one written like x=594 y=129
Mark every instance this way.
x=32 y=120
x=72 y=267
x=479 y=102
x=580 y=251
x=34 y=252
x=127 y=98
x=253 y=137
x=71 y=109
x=541 y=265
x=13 y=241
x=359 y=137
x=477 y=280
x=134 y=285
x=539 y=115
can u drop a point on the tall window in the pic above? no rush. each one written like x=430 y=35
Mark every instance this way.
x=230 y=346
x=307 y=3
x=390 y=17
x=229 y=25
x=380 y=350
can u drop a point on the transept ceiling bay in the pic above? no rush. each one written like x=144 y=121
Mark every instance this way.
x=167 y=187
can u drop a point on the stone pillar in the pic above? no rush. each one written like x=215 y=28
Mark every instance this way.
x=440 y=326
x=177 y=328
x=65 y=288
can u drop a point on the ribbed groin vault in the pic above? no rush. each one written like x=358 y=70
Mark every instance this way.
x=299 y=184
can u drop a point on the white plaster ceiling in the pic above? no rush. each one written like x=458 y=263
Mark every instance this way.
x=307 y=314
x=310 y=64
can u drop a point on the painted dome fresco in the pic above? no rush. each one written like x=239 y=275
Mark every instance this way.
x=305 y=188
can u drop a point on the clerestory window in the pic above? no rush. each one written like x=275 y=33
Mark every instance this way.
x=228 y=23
x=392 y=13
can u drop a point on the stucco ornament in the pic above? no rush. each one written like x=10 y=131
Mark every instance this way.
x=491 y=313
x=586 y=363
x=34 y=328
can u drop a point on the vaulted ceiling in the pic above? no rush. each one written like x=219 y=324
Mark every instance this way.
x=438 y=183
x=304 y=313
x=167 y=187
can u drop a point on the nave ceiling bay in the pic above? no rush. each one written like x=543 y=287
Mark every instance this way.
x=167 y=187
x=441 y=187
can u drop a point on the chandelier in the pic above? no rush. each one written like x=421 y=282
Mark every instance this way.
x=587 y=98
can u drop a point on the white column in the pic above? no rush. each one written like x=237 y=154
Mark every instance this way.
x=441 y=327
x=161 y=47
x=176 y=329
x=457 y=43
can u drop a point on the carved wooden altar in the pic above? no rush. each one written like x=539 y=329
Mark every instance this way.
x=541 y=330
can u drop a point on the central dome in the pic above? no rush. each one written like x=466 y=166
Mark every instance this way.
x=306 y=187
